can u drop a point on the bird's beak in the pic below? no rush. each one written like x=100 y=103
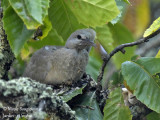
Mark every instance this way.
x=88 y=43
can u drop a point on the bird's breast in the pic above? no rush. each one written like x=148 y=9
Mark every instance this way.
x=70 y=64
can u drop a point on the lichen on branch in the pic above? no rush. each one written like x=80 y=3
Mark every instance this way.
x=28 y=97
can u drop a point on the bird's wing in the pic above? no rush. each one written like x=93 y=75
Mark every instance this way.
x=40 y=63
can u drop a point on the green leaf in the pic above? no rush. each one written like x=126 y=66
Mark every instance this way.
x=153 y=116
x=94 y=63
x=51 y=39
x=25 y=52
x=32 y=12
x=22 y=118
x=158 y=54
x=5 y=4
x=46 y=27
x=69 y=95
x=89 y=100
x=17 y=33
x=117 y=78
x=122 y=7
x=93 y=12
x=104 y=36
x=85 y=11
x=155 y=26
x=121 y=35
x=115 y=108
x=45 y=6
x=36 y=11
x=62 y=18
x=127 y=1
x=139 y=77
x=93 y=66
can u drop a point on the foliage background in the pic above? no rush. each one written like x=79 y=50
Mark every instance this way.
x=115 y=22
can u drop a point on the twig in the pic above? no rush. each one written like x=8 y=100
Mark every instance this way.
x=117 y=49
x=143 y=50
x=87 y=107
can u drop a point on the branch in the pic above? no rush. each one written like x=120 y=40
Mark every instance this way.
x=117 y=49
x=27 y=97
x=143 y=50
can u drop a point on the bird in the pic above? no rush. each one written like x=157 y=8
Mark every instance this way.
x=65 y=65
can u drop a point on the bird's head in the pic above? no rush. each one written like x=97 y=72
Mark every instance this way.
x=81 y=39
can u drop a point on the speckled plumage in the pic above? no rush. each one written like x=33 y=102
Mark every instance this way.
x=64 y=65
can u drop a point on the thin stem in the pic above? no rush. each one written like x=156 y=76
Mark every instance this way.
x=117 y=49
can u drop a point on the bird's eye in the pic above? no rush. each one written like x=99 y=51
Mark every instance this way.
x=79 y=37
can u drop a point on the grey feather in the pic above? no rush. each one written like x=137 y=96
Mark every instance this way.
x=54 y=65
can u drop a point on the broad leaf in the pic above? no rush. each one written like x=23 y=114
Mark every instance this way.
x=44 y=6
x=25 y=52
x=62 y=18
x=5 y=4
x=94 y=63
x=155 y=26
x=35 y=12
x=122 y=7
x=104 y=36
x=153 y=116
x=51 y=39
x=92 y=112
x=140 y=79
x=121 y=35
x=127 y=1
x=17 y=33
x=32 y=12
x=93 y=66
x=115 y=108
x=117 y=78
x=93 y=12
x=22 y=118
x=46 y=27
x=158 y=54
x=69 y=95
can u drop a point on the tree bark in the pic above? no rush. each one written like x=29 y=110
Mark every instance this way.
x=6 y=55
x=33 y=100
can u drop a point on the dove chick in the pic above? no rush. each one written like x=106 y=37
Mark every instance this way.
x=52 y=65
